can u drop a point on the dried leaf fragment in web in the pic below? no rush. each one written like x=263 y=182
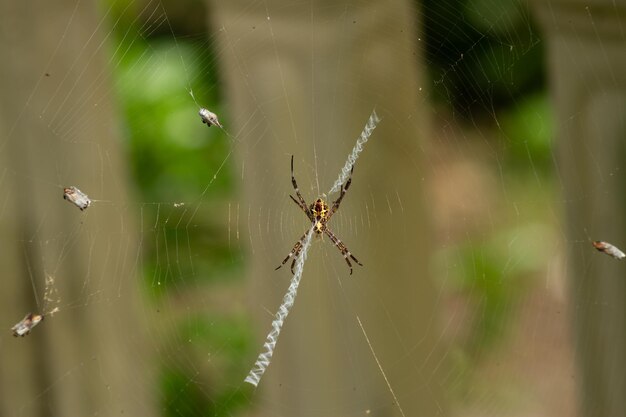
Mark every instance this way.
x=609 y=249
x=24 y=326
x=76 y=197
x=209 y=118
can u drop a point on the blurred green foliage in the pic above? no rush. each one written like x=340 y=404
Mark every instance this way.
x=482 y=55
x=486 y=63
x=526 y=130
x=175 y=159
x=223 y=343
x=174 y=156
x=494 y=274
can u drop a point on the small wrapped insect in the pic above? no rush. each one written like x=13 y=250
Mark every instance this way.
x=25 y=326
x=209 y=118
x=76 y=197
x=608 y=249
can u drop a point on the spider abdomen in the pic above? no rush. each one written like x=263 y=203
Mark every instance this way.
x=319 y=210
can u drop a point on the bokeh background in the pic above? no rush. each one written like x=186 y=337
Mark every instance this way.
x=473 y=206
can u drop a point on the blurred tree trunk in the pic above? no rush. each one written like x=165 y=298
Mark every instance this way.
x=58 y=128
x=302 y=79
x=587 y=67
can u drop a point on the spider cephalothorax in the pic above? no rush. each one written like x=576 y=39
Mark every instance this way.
x=319 y=214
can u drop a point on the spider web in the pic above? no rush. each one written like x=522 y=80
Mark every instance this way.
x=454 y=210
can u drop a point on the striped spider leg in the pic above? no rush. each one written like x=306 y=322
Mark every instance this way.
x=319 y=214
x=342 y=248
x=294 y=253
x=337 y=202
x=300 y=201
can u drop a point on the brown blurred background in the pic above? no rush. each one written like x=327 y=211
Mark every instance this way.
x=472 y=208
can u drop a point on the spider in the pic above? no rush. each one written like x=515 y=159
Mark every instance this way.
x=319 y=214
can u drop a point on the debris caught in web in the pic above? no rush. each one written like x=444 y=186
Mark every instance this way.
x=209 y=118
x=76 y=197
x=50 y=299
x=608 y=249
x=26 y=324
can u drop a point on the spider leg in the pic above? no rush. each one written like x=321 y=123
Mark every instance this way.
x=295 y=256
x=342 y=248
x=303 y=207
x=301 y=203
x=294 y=252
x=344 y=189
x=293 y=263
